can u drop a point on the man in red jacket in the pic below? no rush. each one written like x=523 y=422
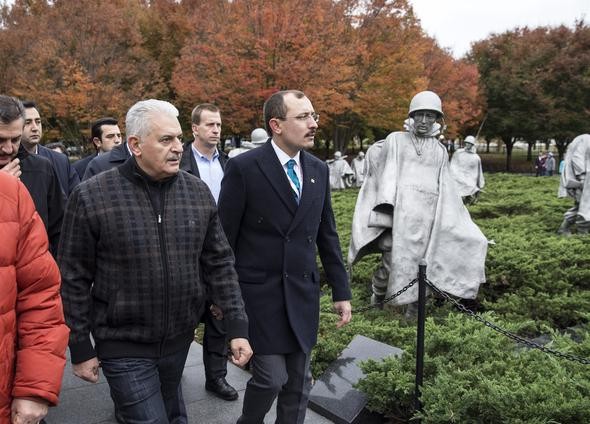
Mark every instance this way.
x=33 y=335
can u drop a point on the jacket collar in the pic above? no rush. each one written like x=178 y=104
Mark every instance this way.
x=189 y=164
x=131 y=170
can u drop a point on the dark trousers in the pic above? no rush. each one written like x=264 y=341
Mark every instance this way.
x=214 y=346
x=147 y=390
x=287 y=376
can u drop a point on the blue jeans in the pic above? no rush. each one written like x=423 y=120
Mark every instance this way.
x=147 y=390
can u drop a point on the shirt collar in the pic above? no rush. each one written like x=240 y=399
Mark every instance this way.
x=283 y=157
x=202 y=156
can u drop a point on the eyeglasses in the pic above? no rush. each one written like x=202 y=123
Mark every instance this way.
x=426 y=116
x=303 y=117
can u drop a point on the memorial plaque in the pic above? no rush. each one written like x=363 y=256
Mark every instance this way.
x=333 y=395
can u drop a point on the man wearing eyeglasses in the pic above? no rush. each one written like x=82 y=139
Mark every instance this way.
x=409 y=209
x=275 y=209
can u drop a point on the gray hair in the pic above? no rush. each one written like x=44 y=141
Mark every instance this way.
x=11 y=109
x=137 y=121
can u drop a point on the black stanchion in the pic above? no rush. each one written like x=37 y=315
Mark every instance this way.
x=420 y=333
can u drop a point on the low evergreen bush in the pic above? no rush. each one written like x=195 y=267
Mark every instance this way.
x=537 y=283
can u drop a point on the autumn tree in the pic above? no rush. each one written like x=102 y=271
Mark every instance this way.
x=388 y=67
x=79 y=60
x=535 y=93
x=456 y=81
x=242 y=51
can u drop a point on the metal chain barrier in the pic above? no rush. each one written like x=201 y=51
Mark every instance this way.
x=506 y=333
x=387 y=299
x=384 y=301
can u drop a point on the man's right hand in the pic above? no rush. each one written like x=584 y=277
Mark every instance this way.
x=13 y=168
x=87 y=370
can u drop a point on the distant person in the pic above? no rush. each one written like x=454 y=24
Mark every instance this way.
x=275 y=208
x=33 y=335
x=561 y=166
x=34 y=171
x=549 y=165
x=540 y=165
x=57 y=146
x=32 y=134
x=106 y=135
x=203 y=159
x=136 y=240
x=117 y=156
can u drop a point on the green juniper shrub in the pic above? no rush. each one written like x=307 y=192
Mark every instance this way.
x=537 y=283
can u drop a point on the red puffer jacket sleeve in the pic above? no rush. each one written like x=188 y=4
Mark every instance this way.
x=42 y=335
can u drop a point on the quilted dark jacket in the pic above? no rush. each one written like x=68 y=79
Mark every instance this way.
x=130 y=257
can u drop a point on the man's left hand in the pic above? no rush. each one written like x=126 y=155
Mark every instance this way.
x=28 y=411
x=241 y=352
x=343 y=309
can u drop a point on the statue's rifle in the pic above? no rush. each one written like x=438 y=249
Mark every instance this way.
x=481 y=126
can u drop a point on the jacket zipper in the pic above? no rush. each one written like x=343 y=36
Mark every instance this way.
x=164 y=258
x=164 y=254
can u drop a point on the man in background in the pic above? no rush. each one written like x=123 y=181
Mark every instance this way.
x=203 y=159
x=34 y=171
x=105 y=134
x=31 y=138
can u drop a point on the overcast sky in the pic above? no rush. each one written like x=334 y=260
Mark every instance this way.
x=457 y=23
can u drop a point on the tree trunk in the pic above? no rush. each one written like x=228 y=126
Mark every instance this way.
x=509 y=145
x=561 y=149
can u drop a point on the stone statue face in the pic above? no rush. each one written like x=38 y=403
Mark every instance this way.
x=423 y=121
x=469 y=148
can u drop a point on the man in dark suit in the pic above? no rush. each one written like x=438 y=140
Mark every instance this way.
x=275 y=207
x=109 y=160
x=203 y=159
x=35 y=171
x=105 y=135
x=32 y=134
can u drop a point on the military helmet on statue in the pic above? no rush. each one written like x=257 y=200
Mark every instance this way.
x=470 y=139
x=426 y=100
x=259 y=136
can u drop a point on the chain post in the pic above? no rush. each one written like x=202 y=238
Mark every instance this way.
x=420 y=333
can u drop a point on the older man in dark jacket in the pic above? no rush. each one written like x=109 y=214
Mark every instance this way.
x=135 y=240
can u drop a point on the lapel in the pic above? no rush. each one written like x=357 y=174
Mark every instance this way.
x=188 y=162
x=312 y=186
x=274 y=172
x=222 y=159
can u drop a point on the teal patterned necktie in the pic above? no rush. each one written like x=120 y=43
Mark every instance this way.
x=293 y=176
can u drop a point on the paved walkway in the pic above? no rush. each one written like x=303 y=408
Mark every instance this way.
x=86 y=403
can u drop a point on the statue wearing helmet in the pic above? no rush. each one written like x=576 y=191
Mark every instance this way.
x=341 y=175
x=467 y=172
x=359 y=167
x=575 y=183
x=258 y=137
x=408 y=209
